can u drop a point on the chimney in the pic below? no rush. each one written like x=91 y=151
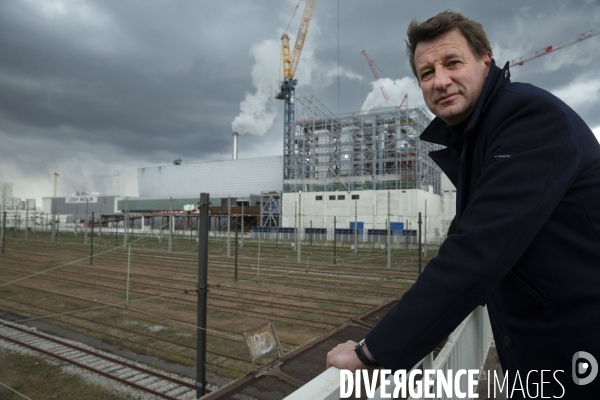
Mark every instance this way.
x=235 y=145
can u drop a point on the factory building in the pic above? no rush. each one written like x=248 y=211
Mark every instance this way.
x=369 y=168
x=80 y=202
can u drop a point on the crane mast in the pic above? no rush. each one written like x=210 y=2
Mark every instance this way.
x=288 y=85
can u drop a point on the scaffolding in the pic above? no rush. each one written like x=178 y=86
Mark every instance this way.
x=375 y=150
x=270 y=209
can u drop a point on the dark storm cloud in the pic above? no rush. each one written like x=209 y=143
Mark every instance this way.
x=141 y=83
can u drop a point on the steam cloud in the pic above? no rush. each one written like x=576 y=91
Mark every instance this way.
x=396 y=89
x=259 y=109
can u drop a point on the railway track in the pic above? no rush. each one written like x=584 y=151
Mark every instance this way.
x=300 y=301
x=160 y=384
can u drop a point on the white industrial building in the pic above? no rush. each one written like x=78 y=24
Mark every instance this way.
x=235 y=178
x=371 y=164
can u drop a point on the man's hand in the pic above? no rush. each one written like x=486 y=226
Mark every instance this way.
x=343 y=356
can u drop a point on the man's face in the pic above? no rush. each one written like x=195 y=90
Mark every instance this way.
x=450 y=76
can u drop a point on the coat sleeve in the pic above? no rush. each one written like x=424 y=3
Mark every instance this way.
x=510 y=202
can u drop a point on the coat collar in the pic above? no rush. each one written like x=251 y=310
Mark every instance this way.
x=438 y=132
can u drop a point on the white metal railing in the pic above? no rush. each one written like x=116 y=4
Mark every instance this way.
x=466 y=348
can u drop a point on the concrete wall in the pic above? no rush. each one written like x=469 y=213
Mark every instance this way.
x=235 y=178
x=372 y=209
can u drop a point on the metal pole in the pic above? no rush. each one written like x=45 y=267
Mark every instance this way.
x=92 y=247
x=100 y=225
x=425 y=231
x=300 y=227
x=236 y=252
x=355 y=226
x=26 y=218
x=52 y=227
x=202 y=295
x=171 y=225
x=3 y=212
x=334 y=240
x=242 y=238
x=311 y=233
x=258 y=262
x=406 y=233
x=420 y=222
x=3 y=230
x=296 y=225
x=116 y=231
x=389 y=235
x=86 y=223
x=128 y=267
x=76 y=231
x=125 y=221
x=228 y=225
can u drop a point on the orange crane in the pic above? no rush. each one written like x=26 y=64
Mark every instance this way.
x=403 y=100
x=376 y=75
x=290 y=62
x=288 y=86
x=549 y=49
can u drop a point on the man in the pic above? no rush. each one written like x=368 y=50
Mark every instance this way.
x=527 y=240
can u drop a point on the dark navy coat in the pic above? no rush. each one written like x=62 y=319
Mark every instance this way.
x=527 y=242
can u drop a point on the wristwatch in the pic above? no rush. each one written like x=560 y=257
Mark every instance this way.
x=362 y=356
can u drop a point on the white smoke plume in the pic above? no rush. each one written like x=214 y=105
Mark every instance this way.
x=258 y=109
x=396 y=89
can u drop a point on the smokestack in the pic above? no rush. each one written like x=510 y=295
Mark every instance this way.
x=235 y=145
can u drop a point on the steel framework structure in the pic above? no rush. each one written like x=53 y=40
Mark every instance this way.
x=374 y=150
x=270 y=209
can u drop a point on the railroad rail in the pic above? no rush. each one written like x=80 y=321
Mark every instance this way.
x=160 y=384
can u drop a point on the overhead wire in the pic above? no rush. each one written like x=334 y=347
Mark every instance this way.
x=14 y=391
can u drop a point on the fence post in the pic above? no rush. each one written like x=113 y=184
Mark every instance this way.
x=299 y=231
x=171 y=225
x=203 y=207
x=420 y=222
x=26 y=219
x=334 y=240
x=92 y=246
x=3 y=230
x=86 y=223
x=228 y=226
x=236 y=252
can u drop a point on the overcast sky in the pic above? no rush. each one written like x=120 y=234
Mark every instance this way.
x=94 y=90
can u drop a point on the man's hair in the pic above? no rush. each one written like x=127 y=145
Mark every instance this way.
x=440 y=24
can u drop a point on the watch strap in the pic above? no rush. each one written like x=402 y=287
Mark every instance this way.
x=362 y=356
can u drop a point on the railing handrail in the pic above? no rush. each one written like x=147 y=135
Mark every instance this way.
x=473 y=334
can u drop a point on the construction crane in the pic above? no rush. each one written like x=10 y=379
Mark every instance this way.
x=377 y=78
x=55 y=182
x=376 y=75
x=403 y=100
x=549 y=49
x=288 y=85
